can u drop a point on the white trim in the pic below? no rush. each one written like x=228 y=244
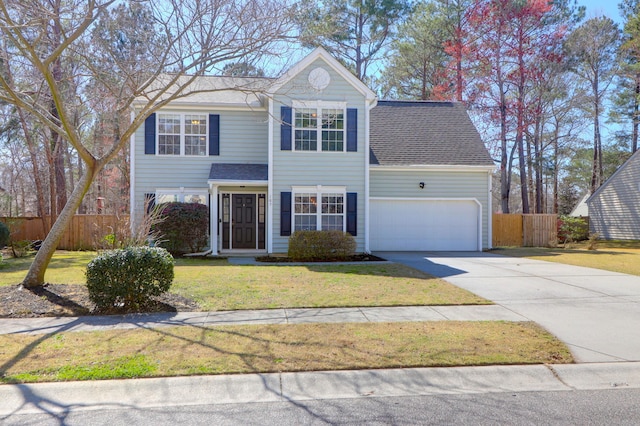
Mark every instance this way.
x=181 y=191
x=132 y=178
x=207 y=107
x=220 y=222
x=223 y=182
x=427 y=167
x=213 y=218
x=317 y=104
x=319 y=191
x=367 y=175
x=475 y=200
x=612 y=177
x=489 y=211
x=183 y=135
x=269 y=225
x=333 y=63
x=318 y=188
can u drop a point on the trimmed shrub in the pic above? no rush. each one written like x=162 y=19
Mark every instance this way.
x=4 y=235
x=125 y=279
x=307 y=246
x=184 y=228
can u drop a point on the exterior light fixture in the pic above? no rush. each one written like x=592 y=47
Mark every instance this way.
x=421 y=185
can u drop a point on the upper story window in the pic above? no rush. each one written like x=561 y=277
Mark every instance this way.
x=319 y=126
x=182 y=134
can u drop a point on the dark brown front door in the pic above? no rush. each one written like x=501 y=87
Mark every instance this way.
x=243 y=224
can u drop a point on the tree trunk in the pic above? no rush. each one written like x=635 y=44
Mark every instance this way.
x=35 y=275
x=636 y=107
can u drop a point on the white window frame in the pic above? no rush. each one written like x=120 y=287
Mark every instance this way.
x=319 y=191
x=180 y=193
x=183 y=134
x=319 y=106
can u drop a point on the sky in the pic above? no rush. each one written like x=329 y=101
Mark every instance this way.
x=602 y=7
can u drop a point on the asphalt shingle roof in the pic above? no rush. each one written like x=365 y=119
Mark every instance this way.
x=239 y=172
x=425 y=133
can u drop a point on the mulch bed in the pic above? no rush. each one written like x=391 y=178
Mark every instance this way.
x=354 y=258
x=62 y=300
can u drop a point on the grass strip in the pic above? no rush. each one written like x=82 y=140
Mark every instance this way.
x=615 y=256
x=231 y=287
x=217 y=285
x=185 y=350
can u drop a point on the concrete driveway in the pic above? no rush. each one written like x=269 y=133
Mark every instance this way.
x=595 y=312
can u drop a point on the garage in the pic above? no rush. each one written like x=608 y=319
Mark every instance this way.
x=424 y=225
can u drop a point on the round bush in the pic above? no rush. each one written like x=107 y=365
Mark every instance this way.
x=184 y=227
x=4 y=235
x=125 y=279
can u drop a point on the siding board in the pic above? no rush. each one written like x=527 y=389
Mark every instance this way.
x=614 y=211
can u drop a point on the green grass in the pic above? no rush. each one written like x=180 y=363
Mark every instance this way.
x=217 y=285
x=176 y=351
x=615 y=256
x=66 y=267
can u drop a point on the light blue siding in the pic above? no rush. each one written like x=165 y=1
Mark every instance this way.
x=291 y=168
x=243 y=139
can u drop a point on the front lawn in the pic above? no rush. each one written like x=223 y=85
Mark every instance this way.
x=615 y=256
x=193 y=350
x=217 y=285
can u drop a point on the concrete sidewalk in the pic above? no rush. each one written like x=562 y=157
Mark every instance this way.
x=595 y=312
x=66 y=397
x=272 y=316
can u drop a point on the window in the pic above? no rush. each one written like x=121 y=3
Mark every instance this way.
x=185 y=195
x=182 y=134
x=319 y=124
x=328 y=217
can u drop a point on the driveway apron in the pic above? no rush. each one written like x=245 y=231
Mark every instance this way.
x=595 y=312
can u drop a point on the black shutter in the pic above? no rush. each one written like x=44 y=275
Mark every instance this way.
x=285 y=129
x=352 y=129
x=352 y=213
x=214 y=134
x=149 y=201
x=150 y=134
x=285 y=214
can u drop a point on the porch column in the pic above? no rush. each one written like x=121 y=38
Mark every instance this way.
x=213 y=216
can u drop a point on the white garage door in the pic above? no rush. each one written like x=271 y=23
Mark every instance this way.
x=416 y=225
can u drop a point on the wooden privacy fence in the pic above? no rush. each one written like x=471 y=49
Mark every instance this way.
x=525 y=230
x=83 y=233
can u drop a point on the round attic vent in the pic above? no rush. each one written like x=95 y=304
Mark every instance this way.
x=319 y=78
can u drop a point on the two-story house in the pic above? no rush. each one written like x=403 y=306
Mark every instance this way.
x=315 y=149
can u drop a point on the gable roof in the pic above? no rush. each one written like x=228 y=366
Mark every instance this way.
x=630 y=160
x=409 y=133
x=332 y=62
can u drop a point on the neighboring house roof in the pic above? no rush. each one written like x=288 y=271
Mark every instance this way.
x=612 y=178
x=407 y=133
x=239 y=172
x=581 y=209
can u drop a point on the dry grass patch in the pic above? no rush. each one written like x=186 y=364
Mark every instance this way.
x=273 y=348
x=615 y=256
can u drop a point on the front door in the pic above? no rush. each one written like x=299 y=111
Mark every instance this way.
x=243 y=223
